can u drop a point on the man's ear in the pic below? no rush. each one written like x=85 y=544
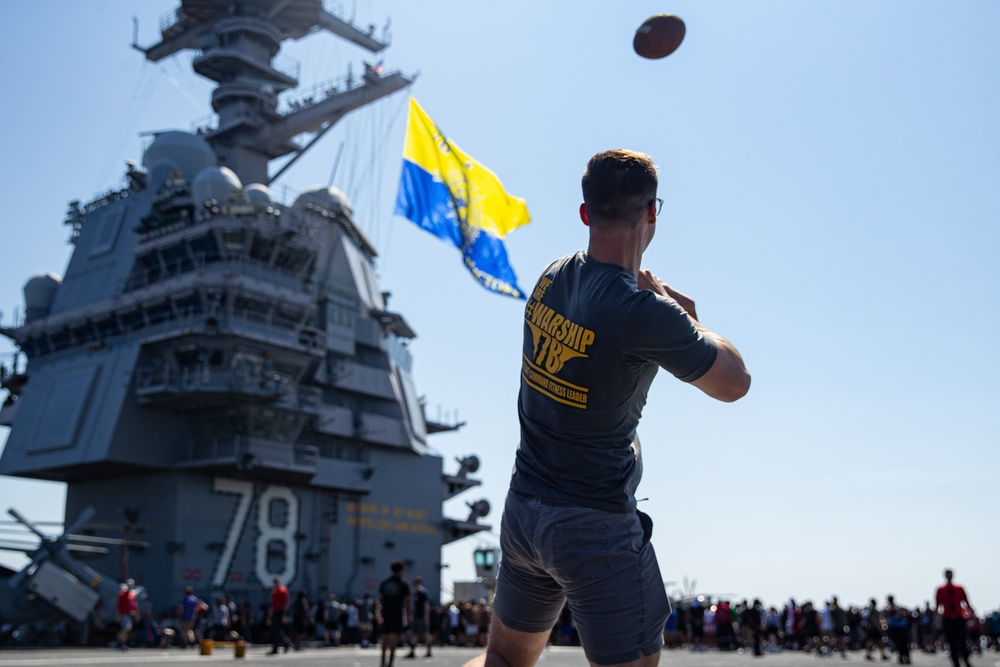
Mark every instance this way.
x=583 y=214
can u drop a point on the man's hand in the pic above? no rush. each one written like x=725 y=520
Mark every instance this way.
x=727 y=379
x=646 y=280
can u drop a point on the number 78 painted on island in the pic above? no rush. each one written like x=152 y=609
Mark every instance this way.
x=266 y=531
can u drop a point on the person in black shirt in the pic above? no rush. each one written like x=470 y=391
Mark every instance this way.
x=750 y=621
x=421 y=622
x=394 y=594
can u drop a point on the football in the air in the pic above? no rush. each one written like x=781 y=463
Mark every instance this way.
x=659 y=36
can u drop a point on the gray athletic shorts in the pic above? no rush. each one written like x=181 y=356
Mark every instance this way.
x=597 y=561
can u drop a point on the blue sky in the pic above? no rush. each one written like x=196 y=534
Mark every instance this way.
x=830 y=173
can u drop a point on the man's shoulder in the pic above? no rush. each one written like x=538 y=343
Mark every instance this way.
x=580 y=261
x=574 y=258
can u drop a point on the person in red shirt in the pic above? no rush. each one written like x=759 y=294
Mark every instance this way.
x=953 y=604
x=280 y=600
x=128 y=609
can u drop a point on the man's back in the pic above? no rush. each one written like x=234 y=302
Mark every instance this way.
x=393 y=592
x=593 y=343
x=949 y=598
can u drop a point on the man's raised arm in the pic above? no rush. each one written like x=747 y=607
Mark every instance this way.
x=727 y=379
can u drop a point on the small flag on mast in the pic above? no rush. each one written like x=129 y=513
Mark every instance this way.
x=450 y=195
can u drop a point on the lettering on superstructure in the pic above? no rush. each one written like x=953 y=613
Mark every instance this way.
x=372 y=516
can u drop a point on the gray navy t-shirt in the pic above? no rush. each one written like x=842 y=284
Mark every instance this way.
x=592 y=345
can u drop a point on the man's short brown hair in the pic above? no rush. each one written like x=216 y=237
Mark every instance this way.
x=617 y=185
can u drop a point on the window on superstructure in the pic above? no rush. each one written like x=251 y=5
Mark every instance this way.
x=262 y=248
x=233 y=242
x=60 y=340
x=107 y=327
x=287 y=317
x=292 y=259
x=251 y=308
x=176 y=260
x=341 y=316
x=132 y=319
x=348 y=452
x=159 y=312
x=205 y=249
x=188 y=303
x=148 y=270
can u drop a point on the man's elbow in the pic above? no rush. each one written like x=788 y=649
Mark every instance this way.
x=736 y=389
x=726 y=383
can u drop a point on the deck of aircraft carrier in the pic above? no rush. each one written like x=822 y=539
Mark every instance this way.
x=443 y=657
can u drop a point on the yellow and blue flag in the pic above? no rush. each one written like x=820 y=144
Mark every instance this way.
x=450 y=195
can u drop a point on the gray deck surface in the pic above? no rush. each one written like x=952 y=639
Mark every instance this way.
x=443 y=657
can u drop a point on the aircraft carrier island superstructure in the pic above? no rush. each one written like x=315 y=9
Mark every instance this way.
x=218 y=374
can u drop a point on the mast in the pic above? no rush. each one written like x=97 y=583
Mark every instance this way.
x=239 y=45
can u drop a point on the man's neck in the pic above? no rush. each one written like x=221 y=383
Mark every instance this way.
x=620 y=246
x=615 y=249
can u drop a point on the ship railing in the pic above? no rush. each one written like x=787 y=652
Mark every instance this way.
x=78 y=216
x=112 y=194
x=246 y=452
x=241 y=379
x=238 y=323
x=214 y=262
x=336 y=9
x=154 y=328
x=205 y=125
x=317 y=93
x=251 y=379
x=309 y=399
x=246 y=380
x=245 y=322
x=260 y=381
x=172 y=18
x=152 y=378
x=16 y=319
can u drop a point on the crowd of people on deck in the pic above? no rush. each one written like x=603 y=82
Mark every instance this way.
x=826 y=629
x=319 y=622
x=309 y=620
x=697 y=624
